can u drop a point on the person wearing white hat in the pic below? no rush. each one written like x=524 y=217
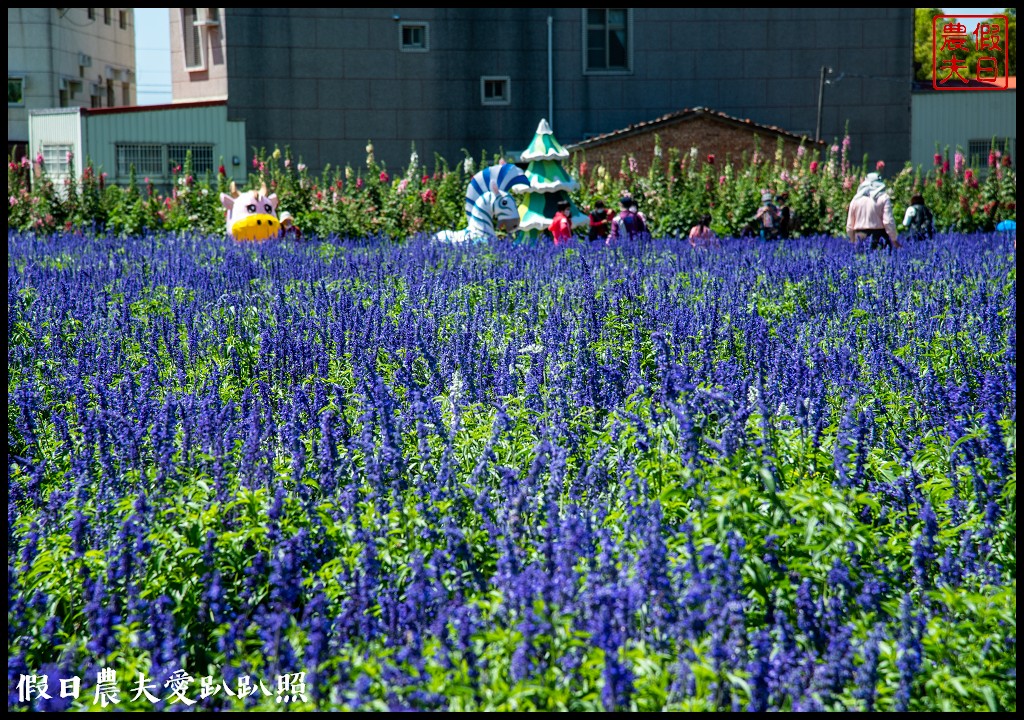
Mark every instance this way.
x=289 y=230
x=870 y=215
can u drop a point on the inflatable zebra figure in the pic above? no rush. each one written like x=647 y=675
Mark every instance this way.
x=488 y=205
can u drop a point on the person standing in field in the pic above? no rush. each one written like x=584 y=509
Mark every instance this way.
x=561 y=226
x=701 y=234
x=599 y=222
x=767 y=218
x=870 y=215
x=629 y=224
x=918 y=219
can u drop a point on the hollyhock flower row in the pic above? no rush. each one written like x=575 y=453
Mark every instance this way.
x=676 y=191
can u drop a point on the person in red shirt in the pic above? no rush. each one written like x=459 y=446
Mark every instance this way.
x=561 y=226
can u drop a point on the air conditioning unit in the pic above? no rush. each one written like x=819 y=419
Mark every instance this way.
x=209 y=17
x=84 y=60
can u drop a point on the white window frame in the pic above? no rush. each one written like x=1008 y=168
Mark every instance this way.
x=505 y=100
x=628 y=70
x=156 y=154
x=425 y=26
x=55 y=159
x=192 y=23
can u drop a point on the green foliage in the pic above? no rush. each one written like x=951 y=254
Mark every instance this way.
x=677 y=190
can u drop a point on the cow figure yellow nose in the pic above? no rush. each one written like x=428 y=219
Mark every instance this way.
x=255 y=228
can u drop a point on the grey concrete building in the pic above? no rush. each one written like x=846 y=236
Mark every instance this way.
x=324 y=81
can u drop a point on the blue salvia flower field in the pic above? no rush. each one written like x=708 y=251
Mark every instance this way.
x=768 y=477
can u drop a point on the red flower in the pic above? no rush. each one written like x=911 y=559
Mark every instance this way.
x=814 y=167
x=880 y=165
x=1006 y=161
x=359 y=183
x=428 y=196
x=711 y=159
x=221 y=170
x=938 y=159
x=945 y=167
x=425 y=179
x=384 y=177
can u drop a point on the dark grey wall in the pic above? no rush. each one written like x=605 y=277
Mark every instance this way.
x=326 y=81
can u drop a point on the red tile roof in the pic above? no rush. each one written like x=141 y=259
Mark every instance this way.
x=680 y=116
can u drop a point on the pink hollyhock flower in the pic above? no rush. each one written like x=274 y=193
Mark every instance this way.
x=633 y=165
x=834 y=149
x=880 y=165
x=800 y=151
x=945 y=167
x=938 y=159
x=428 y=196
x=403 y=185
x=359 y=183
x=301 y=167
x=287 y=162
x=958 y=162
x=814 y=167
x=721 y=179
x=384 y=177
x=39 y=159
x=583 y=168
x=255 y=161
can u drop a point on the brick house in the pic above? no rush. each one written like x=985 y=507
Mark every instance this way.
x=711 y=132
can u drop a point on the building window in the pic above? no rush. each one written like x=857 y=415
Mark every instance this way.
x=111 y=100
x=147 y=159
x=978 y=150
x=413 y=37
x=15 y=91
x=607 y=40
x=192 y=37
x=55 y=159
x=494 y=90
x=122 y=17
x=106 y=15
x=90 y=13
x=202 y=158
x=126 y=93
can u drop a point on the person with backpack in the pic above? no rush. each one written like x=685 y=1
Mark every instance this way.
x=767 y=218
x=628 y=224
x=918 y=219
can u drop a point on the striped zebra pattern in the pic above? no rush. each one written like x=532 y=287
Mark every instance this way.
x=505 y=176
x=483 y=205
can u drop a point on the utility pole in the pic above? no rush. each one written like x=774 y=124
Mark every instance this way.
x=825 y=70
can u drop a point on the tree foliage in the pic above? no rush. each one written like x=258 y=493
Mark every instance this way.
x=924 y=46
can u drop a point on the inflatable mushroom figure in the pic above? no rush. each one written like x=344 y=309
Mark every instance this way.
x=251 y=216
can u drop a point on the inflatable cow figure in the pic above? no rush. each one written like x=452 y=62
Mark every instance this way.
x=251 y=216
